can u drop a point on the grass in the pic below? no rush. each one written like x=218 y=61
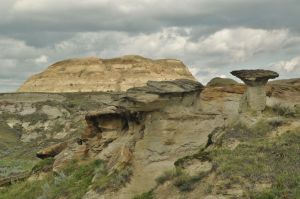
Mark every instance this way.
x=259 y=130
x=183 y=181
x=263 y=160
x=146 y=195
x=186 y=182
x=11 y=165
x=285 y=111
x=43 y=165
x=8 y=138
x=282 y=110
x=113 y=181
x=72 y=183
x=77 y=102
x=168 y=175
x=35 y=118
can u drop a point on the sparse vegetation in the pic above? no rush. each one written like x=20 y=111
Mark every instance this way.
x=10 y=166
x=186 y=182
x=168 y=175
x=71 y=183
x=182 y=180
x=146 y=195
x=43 y=165
x=263 y=160
x=243 y=133
x=35 y=118
x=113 y=181
x=283 y=110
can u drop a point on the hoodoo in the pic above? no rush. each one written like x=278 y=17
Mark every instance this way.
x=255 y=96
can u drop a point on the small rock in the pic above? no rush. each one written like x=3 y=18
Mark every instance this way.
x=51 y=151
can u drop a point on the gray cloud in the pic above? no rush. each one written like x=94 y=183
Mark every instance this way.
x=211 y=37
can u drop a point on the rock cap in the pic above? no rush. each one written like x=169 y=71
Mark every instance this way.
x=255 y=75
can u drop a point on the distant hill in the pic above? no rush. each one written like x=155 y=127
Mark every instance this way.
x=94 y=74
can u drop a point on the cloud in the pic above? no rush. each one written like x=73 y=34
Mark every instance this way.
x=207 y=56
x=41 y=59
x=240 y=44
x=12 y=48
x=292 y=65
x=211 y=37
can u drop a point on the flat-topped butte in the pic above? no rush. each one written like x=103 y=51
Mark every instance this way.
x=93 y=74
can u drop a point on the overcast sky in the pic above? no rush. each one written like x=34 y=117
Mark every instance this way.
x=212 y=37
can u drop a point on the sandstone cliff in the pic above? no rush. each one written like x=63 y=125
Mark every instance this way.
x=94 y=74
x=169 y=139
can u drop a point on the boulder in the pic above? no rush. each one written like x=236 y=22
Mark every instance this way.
x=51 y=151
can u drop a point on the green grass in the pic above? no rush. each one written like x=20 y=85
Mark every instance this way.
x=113 y=181
x=263 y=160
x=146 y=195
x=8 y=136
x=183 y=181
x=186 y=183
x=43 y=165
x=242 y=132
x=168 y=175
x=12 y=166
x=71 y=183
x=281 y=110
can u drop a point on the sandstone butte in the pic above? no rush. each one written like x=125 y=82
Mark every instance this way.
x=94 y=74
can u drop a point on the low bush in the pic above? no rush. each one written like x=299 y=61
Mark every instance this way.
x=71 y=183
x=263 y=160
x=146 y=195
x=185 y=182
x=113 y=181
x=283 y=110
x=43 y=165
x=168 y=175
x=244 y=133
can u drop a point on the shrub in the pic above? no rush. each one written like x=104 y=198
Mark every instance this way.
x=146 y=195
x=181 y=180
x=43 y=165
x=284 y=111
x=72 y=183
x=185 y=182
x=244 y=133
x=114 y=181
x=263 y=160
x=168 y=175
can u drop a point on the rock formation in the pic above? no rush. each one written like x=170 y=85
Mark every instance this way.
x=255 y=96
x=145 y=133
x=218 y=82
x=94 y=74
x=148 y=128
x=51 y=151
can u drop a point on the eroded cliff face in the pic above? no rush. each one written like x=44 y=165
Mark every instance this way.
x=149 y=129
x=94 y=74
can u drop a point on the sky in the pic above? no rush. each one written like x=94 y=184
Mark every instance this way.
x=212 y=37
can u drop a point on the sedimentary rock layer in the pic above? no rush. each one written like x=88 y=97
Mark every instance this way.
x=94 y=74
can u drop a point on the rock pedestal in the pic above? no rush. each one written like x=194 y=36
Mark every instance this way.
x=254 y=98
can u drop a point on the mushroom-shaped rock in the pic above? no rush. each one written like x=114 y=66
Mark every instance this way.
x=255 y=96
